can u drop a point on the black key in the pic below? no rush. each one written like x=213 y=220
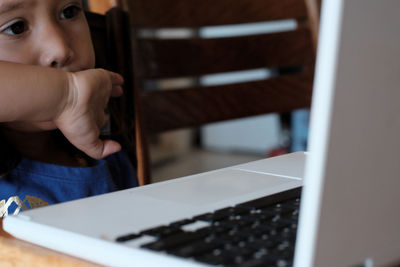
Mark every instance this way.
x=264 y=214
x=274 y=209
x=234 y=222
x=176 y=240
x=284 y=263
x=265 y=229
x=232 y=211
x=286 y=254
x=293 y=217
x=272 y=199
x=181 y=222
x=162 y=231
x=261 y=262
x=218 y=215
x=229 y=239
x=207 y=217
x=266 y=244
x=293 y=202
x=284 y=210
x=256 y=217
x=195 y=249
x=289 y=234
x=233 y=254
x=267 y=261
x=236 y=255
x=128 y=237
x=225 y=257
x=279 y=225
x=152 y=230
x=290 y=206
x=228 y=210
x=210 y=259
x=251 y=232
x=217 y=228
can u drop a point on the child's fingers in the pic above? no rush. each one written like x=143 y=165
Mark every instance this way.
x=117 y=91
x=110 y=147
x=116 y=79
x=103 y=148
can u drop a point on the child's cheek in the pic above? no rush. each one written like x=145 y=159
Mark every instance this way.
x=88 y=59
x=16 y=55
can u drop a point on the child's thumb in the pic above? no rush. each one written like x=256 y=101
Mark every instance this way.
x=103 y=148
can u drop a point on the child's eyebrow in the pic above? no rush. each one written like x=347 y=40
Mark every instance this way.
x=10 y=6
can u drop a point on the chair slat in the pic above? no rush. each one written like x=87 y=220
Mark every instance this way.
x=168 y=13
x=193 y=57
x=98 y=26
x=111 y=40
x=280 y=94
x=95 y=20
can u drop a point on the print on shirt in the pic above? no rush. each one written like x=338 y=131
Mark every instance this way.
x=30 y=202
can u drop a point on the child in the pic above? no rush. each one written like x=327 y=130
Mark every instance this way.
x=52 y=108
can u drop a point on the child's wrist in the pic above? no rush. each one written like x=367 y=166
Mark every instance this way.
x=68 y=93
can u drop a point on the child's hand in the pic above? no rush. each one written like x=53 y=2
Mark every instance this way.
x=84 y=113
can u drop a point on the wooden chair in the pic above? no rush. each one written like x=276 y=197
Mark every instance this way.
x=111 y=40
x=155 y=59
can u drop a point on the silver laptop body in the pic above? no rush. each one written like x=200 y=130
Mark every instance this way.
x=350 y=197
x=348 y=213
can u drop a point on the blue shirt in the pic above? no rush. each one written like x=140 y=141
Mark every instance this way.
x=33 y=184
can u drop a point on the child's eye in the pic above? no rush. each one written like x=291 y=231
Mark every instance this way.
x=16 y=28
x=70 y=12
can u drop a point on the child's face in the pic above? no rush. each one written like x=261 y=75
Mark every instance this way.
x=52 y=33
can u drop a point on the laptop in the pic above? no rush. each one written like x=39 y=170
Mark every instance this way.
x=336 y=205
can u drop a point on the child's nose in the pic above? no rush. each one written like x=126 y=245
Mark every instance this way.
x=56 y=52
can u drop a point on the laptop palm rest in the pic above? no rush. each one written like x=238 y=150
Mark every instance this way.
x=161 y=203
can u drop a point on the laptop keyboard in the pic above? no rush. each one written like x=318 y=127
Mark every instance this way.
x=261 y=232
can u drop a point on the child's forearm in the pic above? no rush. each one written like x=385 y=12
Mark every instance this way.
x=73 y=102
x=31 y=93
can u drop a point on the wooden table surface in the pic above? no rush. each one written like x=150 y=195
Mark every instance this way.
x=15 y=252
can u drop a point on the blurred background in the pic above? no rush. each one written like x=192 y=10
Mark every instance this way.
x=189 y=151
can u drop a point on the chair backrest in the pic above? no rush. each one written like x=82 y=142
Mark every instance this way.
x=111 y=40
x=290 y=54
